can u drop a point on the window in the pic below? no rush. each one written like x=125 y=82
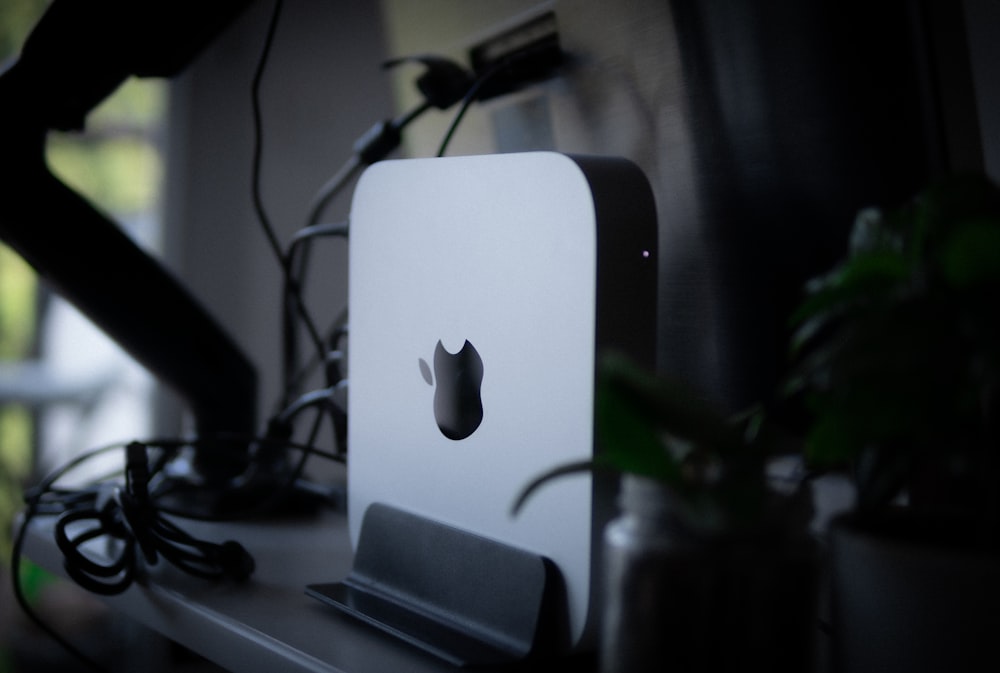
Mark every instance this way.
x=64 y=385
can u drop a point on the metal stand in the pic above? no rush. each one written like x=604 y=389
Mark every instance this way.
x=462 y=597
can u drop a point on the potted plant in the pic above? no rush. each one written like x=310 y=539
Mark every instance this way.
x=709 y=565
x=897 y=362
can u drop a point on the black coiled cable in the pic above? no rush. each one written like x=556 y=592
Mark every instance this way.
x=133 y=531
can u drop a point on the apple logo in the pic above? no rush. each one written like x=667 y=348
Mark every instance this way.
x=458 y=402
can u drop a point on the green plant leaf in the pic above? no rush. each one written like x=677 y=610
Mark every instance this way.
x=666 y=405
x=861 y=279
x=972 y=254
x=657 y=427
x=628 y=435
x=896 y=352
x=559 y=471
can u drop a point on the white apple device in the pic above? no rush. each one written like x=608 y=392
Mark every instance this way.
x=482 y=289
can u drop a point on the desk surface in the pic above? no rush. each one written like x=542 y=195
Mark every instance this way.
x=267 y=624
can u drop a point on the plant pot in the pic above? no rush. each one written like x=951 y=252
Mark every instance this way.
x=675 y=601
x=910 y=595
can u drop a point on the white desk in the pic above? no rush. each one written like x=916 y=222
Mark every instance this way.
x=267 y=624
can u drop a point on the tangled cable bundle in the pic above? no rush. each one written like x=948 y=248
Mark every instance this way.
x=134 y=532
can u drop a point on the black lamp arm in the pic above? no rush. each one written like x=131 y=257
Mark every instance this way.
x=79 y=53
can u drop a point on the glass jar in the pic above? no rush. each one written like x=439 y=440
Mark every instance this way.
x=639 y=549
x=678 y=601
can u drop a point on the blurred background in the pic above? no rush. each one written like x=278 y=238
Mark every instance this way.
x=64 y=386
x=762 y=126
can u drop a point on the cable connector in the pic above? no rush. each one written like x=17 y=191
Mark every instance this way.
x=443 y=84
x=377 y=142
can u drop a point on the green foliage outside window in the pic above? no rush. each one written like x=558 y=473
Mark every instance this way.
x=115 y=163
x=18 y=294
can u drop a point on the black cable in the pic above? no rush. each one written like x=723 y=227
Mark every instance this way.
x=277 y=437
x=258 y=132
x=129 y=518
x=46 y=500
x=28 y=610
x=128 y=515
x=258 y=202
x=135 y=531
x=131 y=511
x=333 y=358
x=316 y=398
x=371 y=147
x=296 y=252
x=33 y=499
x=473 y=92
x=325 y=408
x=323 y=401
x=457 y=119
x=316 y=230
x=441 y=85
x=331 y=188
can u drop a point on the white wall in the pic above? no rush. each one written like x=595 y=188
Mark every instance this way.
x=763 y=128
x=626 y=92
x=322 y=88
